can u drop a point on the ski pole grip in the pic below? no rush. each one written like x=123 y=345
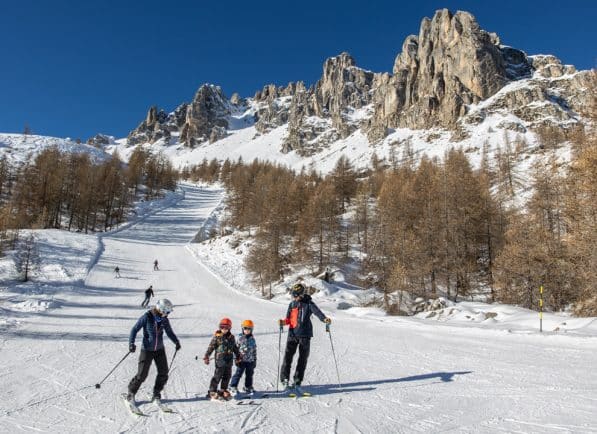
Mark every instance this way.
x=327 y=327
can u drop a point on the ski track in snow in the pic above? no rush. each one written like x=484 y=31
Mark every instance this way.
x=399 y=376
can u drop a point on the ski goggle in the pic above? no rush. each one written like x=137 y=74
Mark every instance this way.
x=247 y=328
x=225 y=326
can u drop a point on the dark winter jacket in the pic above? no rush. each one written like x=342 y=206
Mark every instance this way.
x=298 y=317
x=149 y=292
x=247 y=348
x=224 y=346
x=153 y=326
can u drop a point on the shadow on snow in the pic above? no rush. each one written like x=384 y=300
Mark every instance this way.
x=360 y=386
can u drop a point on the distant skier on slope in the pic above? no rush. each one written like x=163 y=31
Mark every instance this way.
x=148 y=294
x=153 y=322
x=117 y=272
x=298 y=318
x=155 y=265
x=225 y=348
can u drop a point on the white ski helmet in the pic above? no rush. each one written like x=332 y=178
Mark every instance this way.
x=164 y=306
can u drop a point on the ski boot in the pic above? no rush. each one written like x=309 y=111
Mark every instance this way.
x=285 y=386
x=234 y=391
x=157 y=399
x=226 y=395
x=213 y=395
x=130 y=397
x=249 y=391
x=296 y=388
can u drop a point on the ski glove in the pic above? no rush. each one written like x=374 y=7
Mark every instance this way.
x=281 y=322
x=132 y=348
x=177 y=346
x=206 y=360
x=238 y=361
x=327 y=320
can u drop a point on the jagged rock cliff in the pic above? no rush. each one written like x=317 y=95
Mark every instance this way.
x=273 y=105
x=158 y=125
x=342 y=89
x=451 y=64
x=206 y=116
x=452 y=75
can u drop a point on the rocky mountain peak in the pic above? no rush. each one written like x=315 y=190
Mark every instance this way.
x=156 y=126
x=341 y=61
x=342 y=89
x=206 y=116
x=451 y=64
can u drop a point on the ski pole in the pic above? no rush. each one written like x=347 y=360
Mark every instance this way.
x=279 y=345
x=172 y=361
x=327 y=329
x=98 y=385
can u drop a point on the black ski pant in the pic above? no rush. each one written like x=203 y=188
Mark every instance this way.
x=248 y=368
x=222 y=375
x=145 y=359
x=146 y=301
x=304 y=345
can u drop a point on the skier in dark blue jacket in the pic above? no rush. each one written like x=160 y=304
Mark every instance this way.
x=300 y=332
x=154 y=323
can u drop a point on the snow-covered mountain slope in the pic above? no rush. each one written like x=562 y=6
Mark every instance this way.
x=396 y=374
x=18 y=147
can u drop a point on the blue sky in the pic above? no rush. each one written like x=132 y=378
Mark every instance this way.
x=75 y=68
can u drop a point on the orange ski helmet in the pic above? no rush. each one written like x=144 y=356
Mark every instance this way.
x=247 y=324
x=226 y=322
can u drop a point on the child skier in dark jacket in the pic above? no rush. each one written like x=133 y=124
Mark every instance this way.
x=225 y=348
x=248 y=358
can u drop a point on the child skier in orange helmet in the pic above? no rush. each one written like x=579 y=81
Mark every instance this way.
x=248 y=358
x=224 y=345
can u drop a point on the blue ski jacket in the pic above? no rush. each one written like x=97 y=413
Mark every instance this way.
x=298 y=317
x=247 y=348
x=153 y=331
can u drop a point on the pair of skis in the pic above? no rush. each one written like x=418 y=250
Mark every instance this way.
x=292 y=392
x=245 y=398
x=297 y=394
x=134 y=409
x=238 y=399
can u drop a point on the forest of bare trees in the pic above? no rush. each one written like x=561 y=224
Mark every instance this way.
x=417 y=228
x=69 y=191
x=435 y=227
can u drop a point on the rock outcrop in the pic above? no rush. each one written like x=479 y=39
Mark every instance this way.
x=100 y=140
x=206 y=116
x=452 y=63
x=273 y=106
x=555 y=94
x=342 y=89
x=158 y=125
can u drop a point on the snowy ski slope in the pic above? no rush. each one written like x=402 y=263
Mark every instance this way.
x=404 y=375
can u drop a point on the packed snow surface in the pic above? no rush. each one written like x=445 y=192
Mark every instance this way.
x=63 y=334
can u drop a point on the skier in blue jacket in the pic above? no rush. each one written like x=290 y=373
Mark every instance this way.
x=154 y=323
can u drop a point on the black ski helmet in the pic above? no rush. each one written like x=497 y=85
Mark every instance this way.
x=298 y=290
